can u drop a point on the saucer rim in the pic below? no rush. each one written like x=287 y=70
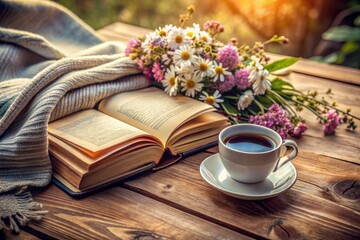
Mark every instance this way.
x=241 y=195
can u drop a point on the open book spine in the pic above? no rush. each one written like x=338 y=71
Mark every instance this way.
x=169 y=158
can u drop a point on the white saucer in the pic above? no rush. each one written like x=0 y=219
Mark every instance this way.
x=213 y=172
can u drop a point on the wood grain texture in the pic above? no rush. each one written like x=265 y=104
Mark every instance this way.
x=323 y=70
x=308 y=210
x=124 y=32
x=118 y=213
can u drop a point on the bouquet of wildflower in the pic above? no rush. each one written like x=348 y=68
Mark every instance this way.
x=235 y=79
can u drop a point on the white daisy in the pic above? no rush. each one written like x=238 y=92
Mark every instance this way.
x=261 y=82
x=212 y=100
x=166 y=59
x=204 y=67
x=245 y=100
x=177 y=38
x=170 y=81
x=184 y=56
x=205 y=37
x=254 y=66
x=164 y=31
x=220 y=72
x=193 y=32
x=184 y=70
x=191 y=84
x=149 y=38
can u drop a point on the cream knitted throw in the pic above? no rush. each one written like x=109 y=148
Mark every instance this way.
x=51 y=65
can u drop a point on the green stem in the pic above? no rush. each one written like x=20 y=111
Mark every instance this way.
x=259 y=105
x=292 y=112
x=252 y=112
x=324 y=104
x=313 y=111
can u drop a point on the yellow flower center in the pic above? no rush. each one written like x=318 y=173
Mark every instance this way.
x=190 y=83
x=210 y=100
x=219 y=70
x=162 y=33
x=178 y=39
x=207 y=49
x=204 y=38
x=172 y=81
x=185 y=55
x=203 y=67
x=190 y=34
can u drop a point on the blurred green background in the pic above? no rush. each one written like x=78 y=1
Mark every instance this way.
x=311 y=25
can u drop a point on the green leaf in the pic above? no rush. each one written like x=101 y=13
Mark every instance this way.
x=280 y=64
x=278 y=84
x=342 y=34
x=229 y=109
x=232 y=97
x=349 y=47
x=331 y=58
x=265 y=100
x=357 y=21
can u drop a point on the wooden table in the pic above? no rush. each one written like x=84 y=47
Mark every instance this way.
x=177 y=203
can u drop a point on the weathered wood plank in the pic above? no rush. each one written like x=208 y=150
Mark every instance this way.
x=324 y=172
x=323 y=70
x=343 y=144
x=305 y=211
x=118 y=213
x=124 y=32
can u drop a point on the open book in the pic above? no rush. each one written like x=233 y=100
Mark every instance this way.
x=129 y=132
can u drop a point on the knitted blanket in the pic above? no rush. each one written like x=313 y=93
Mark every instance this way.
x=51 y=65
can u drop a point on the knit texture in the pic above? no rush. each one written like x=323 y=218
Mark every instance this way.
x=51 y=65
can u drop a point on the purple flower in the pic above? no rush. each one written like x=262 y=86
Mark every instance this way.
x=158 y=72
x=158 y=41
x=276 y=119
x=242 y=79
x=332 y=121
x=226 y=85
x=133 y=43
x=229 y=57
x=299 y=129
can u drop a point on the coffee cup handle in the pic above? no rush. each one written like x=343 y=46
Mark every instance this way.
x=282 y=161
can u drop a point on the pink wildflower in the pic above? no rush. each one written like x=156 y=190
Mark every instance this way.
x=147 y=71
x=242 y=79
x=233 y=41
x=226 y=85
x=158 y=72
x=229 y=57
x=299 y=129
x=276 y=118
x=133 y=43
x=213 y=27
x=332 y=121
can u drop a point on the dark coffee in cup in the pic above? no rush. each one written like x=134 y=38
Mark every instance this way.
x=250 y=142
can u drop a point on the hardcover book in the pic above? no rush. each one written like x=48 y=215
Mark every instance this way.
x=127 y=134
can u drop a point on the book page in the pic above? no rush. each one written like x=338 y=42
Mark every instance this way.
x=153 y=111
x=92 y=131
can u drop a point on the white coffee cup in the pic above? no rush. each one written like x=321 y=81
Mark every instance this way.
x=253 y=167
